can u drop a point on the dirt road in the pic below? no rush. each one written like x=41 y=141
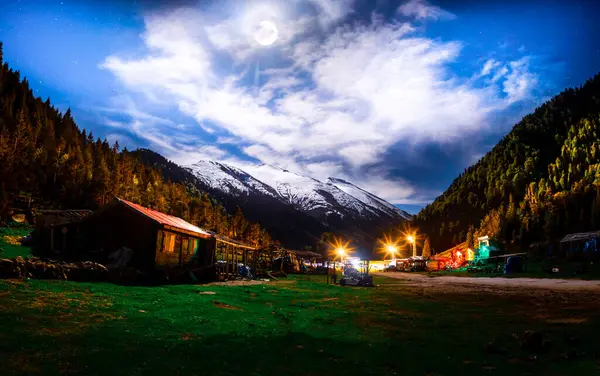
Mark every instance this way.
x=508 y=283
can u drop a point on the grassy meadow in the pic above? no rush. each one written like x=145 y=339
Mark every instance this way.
x=295 y=326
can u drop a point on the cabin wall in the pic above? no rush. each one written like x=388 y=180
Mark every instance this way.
x=118 y=227
x=178 y=250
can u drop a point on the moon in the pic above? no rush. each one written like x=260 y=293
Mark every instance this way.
x=266 y=33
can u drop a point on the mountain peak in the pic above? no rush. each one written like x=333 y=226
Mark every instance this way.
x=334 y=197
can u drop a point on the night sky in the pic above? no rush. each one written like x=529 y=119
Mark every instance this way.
x=397 y=97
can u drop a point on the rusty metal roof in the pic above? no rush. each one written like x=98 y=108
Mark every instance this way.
x=167 y=220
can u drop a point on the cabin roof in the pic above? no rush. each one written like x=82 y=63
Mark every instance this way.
x=167 y=220
x=308 y=254
x=233 y=242
x=70 y=214
x=581 y=236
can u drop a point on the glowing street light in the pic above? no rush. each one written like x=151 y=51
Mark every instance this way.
x=341 y=252
x=391 y=249
x=411 y=240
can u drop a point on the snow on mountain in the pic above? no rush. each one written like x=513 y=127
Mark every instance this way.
x=334 y=197
x=228 y=179
x=368 y=198
x=309 y=194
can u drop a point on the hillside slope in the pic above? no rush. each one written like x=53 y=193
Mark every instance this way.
x=539 y=182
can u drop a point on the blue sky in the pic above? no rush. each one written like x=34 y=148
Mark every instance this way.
x=396 y=96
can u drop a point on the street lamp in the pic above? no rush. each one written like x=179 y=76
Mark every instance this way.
x=392 y=250
x=411 y=240
x=341 y=252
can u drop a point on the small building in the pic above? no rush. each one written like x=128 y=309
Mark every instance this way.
x=587 y=243
x=50 y=236
x=156 y=241
x=230 y=253
x=458 y=255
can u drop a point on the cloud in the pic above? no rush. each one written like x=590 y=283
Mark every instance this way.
x=332 y=11
x=329 y=104
x=519 y=82
x=236 y=35
x=124 y=141
x=421 y=10
x=488 y=66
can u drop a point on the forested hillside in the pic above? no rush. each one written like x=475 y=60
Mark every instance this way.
x=541 y=181
x=44 y=154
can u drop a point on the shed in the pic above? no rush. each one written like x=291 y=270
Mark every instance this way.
x=588 y=242
x=49 y=235
x=230 y=253
x=158 y=241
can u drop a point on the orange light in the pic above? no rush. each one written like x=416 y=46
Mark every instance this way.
x=388 y=245
x=410 y=238
x=340 y=249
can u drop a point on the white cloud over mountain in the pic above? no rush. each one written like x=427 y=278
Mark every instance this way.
x=333 y=98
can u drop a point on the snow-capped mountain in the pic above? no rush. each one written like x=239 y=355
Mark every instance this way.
x=368 y=198
x=335 y=197
x=295 y=209
x=229 y=179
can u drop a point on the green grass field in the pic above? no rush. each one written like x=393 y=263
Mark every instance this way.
x=297 y=326
x=292 y=327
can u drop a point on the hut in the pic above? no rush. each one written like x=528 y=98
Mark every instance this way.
x=51 y=230
x=128 y=234
x=234 y=258
x=581 y=243
x=456 y=256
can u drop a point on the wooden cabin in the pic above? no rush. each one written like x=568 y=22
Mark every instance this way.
x=158 y=241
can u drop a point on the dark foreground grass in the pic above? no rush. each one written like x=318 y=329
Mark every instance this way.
x=289 y=327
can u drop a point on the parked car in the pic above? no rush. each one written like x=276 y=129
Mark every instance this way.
x=418 y=266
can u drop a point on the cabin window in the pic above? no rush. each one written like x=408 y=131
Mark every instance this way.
x=193 y=247
x=169 y=242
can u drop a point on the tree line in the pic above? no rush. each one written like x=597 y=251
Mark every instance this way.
x=45 y=155
x=540 y=182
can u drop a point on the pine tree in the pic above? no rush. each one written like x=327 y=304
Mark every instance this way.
x=426 y=249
